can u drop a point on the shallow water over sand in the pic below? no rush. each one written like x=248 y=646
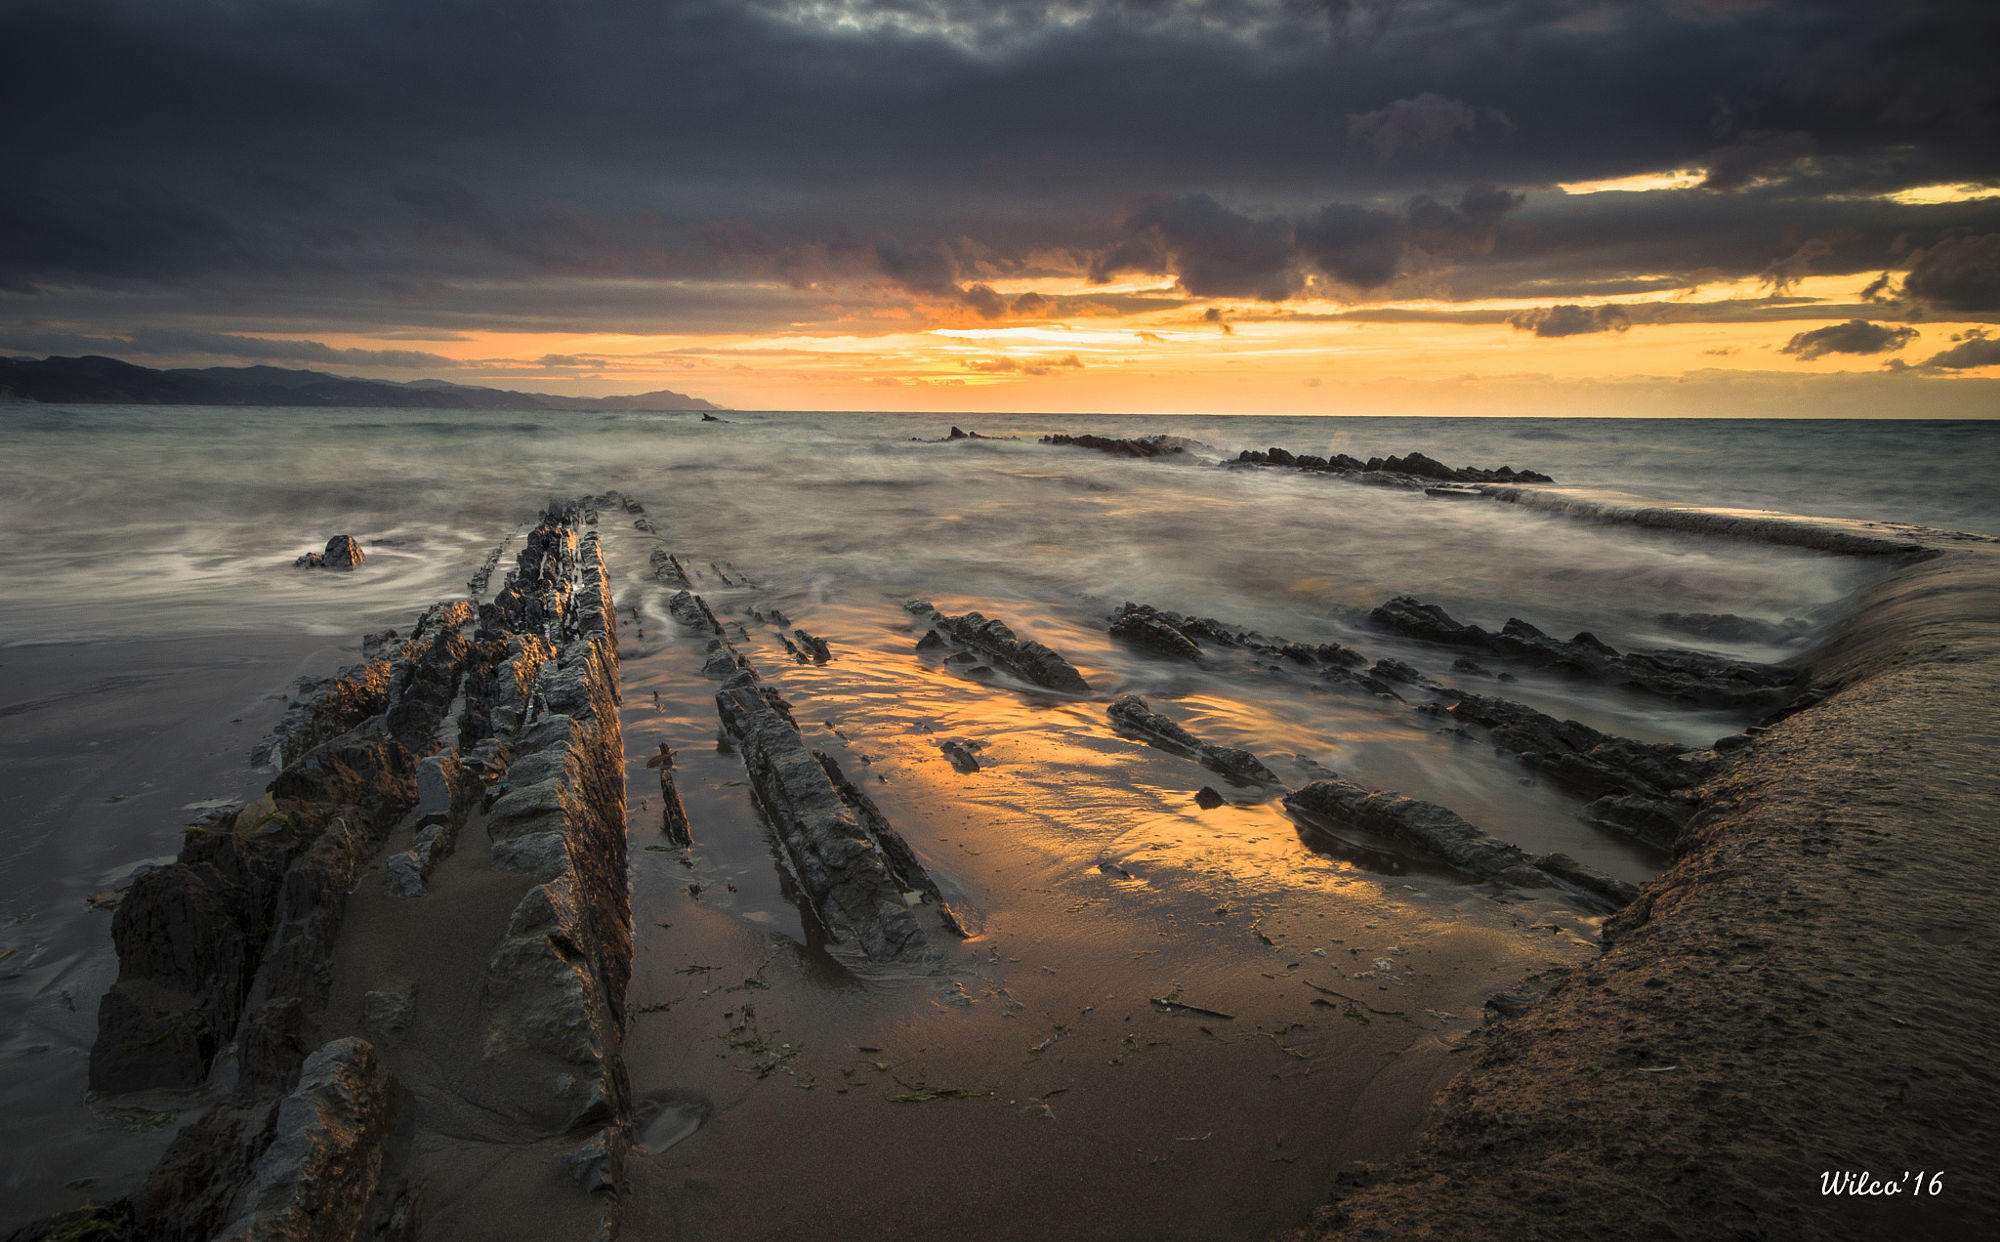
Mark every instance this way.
x=154 y=546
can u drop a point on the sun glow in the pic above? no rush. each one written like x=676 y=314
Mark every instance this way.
x=1638 y=183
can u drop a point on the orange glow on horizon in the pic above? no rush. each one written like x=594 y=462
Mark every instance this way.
x=1301 y=356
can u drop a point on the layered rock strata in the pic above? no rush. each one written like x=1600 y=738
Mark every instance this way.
x=991 y=640
x=1443 y=835
x=1131 y=714
x=243 y=965
x=1138 y=446
x=862 y=884
x=1413 y=470
x=1687 y=676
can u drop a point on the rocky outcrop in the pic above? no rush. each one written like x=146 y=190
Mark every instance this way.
x=1413 y=470
x=991 y=640
x=315 y=1178
x=1138 y=446
x=1639 y=789
x=1131 y=714
x=1687 y=676
x=342 y=552
x=1171 y=634
x=673 y=815
x=260 y=891
x=1740 y=1024
x=555 y=986
x=862 y=884
x=227 y=956
x=1445 y=836
x=1841 y=538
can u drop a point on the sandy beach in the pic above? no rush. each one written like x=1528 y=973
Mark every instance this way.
x=1169 y=1016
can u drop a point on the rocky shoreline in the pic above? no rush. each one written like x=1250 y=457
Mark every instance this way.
x=1795 y=997
x=393 y=1034
x=252 y=970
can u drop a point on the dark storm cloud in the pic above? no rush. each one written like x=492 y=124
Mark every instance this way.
x=1571 y=320
x=1216 y=252
x=1753 y=155
x=455 y=165
x=1426 y=122
x=1357 y=246
x=1975 y=348
x=1856 y=336
x=1957 y=274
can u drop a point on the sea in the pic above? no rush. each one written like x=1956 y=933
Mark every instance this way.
x=153 y=625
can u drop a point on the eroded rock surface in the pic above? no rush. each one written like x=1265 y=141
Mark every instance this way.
x=1188 y=638
x=228 y=956
x=342 y=552
x=1138 y=446
x=1412 y=470
x=992 y=640
x=855 y=875
x=1131 y=713
x=1638 y=789
x=1445 y=836
x=1689 y=676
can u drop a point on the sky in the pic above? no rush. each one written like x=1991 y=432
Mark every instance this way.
x=1681 y=207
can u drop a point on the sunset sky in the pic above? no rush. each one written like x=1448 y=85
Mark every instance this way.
x=1754 y=207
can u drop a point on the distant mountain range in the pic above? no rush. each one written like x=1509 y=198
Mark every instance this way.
x=95 y=380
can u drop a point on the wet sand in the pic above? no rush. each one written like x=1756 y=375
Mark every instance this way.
x=1032 y=1088
x=1319 y=988
x=1810 y=989
x=106 y=745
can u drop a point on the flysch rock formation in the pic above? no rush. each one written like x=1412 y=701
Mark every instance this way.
x=1756 y=1022
x=1171 y=634
x=989 y=639
x=1445 y=836
x=1131 y=713
x=382 y=1032
x=1413 y=470
x=1137 y=446
x=1641 y=790
x=863 y=885
x=859 y=882
x=1688 y=676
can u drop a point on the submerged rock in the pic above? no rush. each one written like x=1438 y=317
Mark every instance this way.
x=1727 y=627
x=1445 y=836
x=1139 y=446
x=832 y=845
x=342 y=552
x=1689 y=676
x=1131 y=713
x=1170 y=633
x=1413 y=470
x=994 y=641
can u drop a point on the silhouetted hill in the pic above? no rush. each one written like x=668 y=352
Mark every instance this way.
x=95 y=380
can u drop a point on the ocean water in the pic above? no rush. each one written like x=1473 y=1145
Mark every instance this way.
x=151 y=623
x=125 y=521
